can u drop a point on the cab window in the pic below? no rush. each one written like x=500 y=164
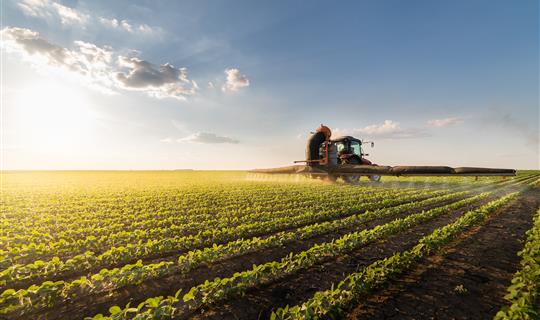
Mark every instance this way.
x=355 y=148
x=340 y=147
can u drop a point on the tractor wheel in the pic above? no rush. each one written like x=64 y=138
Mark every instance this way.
x=351 y=179
x=375 y=178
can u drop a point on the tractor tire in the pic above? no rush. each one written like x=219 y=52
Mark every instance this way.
x=351 y=179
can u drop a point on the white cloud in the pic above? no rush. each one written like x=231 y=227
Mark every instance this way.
x=388 y=127
x=235 y=80
x=387 y=130
x=127 y=26
x=48 y=9
x=86 y=59
x=111 y=23
x=207 y=137
x=144 y=28
x=69 y=15
x=446 y=122
x=98 y=66
x=166 y=140
x=52 y=10
x=94 y=54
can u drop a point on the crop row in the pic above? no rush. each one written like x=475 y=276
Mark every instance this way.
x=50 y=293
x=520 y=181
x=220 y=288
x=124 y=214
x=331 y=303
x=524 y=292
x=81 y=215
x=525 y=180
x=98 y=244
x=209 y=198
x=80 y=211
x=131 y=252
x=92 y=205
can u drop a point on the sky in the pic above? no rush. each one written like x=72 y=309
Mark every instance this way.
x=139 y=85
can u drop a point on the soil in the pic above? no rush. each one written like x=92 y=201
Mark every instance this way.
x=468 y=281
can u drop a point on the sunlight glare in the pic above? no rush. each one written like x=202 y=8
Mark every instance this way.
x=52 y=116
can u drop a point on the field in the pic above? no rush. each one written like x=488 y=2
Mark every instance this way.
x=235 y=245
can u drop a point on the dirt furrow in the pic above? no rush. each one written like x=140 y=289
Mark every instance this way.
x=468 y=281
x=294 y=289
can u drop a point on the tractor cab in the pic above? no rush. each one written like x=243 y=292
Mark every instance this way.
x=350 y=151
x=348 y=145
x=322 y=151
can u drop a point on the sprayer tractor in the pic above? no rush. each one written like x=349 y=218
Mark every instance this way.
x=322 y=150
x=343 y=157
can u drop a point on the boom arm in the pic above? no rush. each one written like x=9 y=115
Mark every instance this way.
x=366 y=170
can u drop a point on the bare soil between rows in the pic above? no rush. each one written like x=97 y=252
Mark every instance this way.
x=100 y=303
x=259 y=302
x=468 y=281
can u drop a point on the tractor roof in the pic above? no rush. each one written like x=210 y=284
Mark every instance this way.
x=350 y=138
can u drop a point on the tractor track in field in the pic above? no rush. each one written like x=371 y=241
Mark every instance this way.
x=99 y=303
x=257 y=303
x=467 y=281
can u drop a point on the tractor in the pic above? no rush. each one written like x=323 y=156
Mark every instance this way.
x=321 y=150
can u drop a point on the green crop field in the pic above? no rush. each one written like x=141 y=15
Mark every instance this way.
x=236 y=245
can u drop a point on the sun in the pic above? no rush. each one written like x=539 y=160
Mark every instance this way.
x=53 y=116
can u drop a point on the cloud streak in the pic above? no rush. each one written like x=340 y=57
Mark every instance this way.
x=127 y=26
x=47 y=9
x=446 y=122
x=387 y=130
x=207 y=138
x=51 y=10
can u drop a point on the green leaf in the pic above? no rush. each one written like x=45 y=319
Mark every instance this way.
x=7 y=293
x=115 y=310
x=190 y=295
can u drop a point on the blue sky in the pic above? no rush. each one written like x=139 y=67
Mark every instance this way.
x=239 y=84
